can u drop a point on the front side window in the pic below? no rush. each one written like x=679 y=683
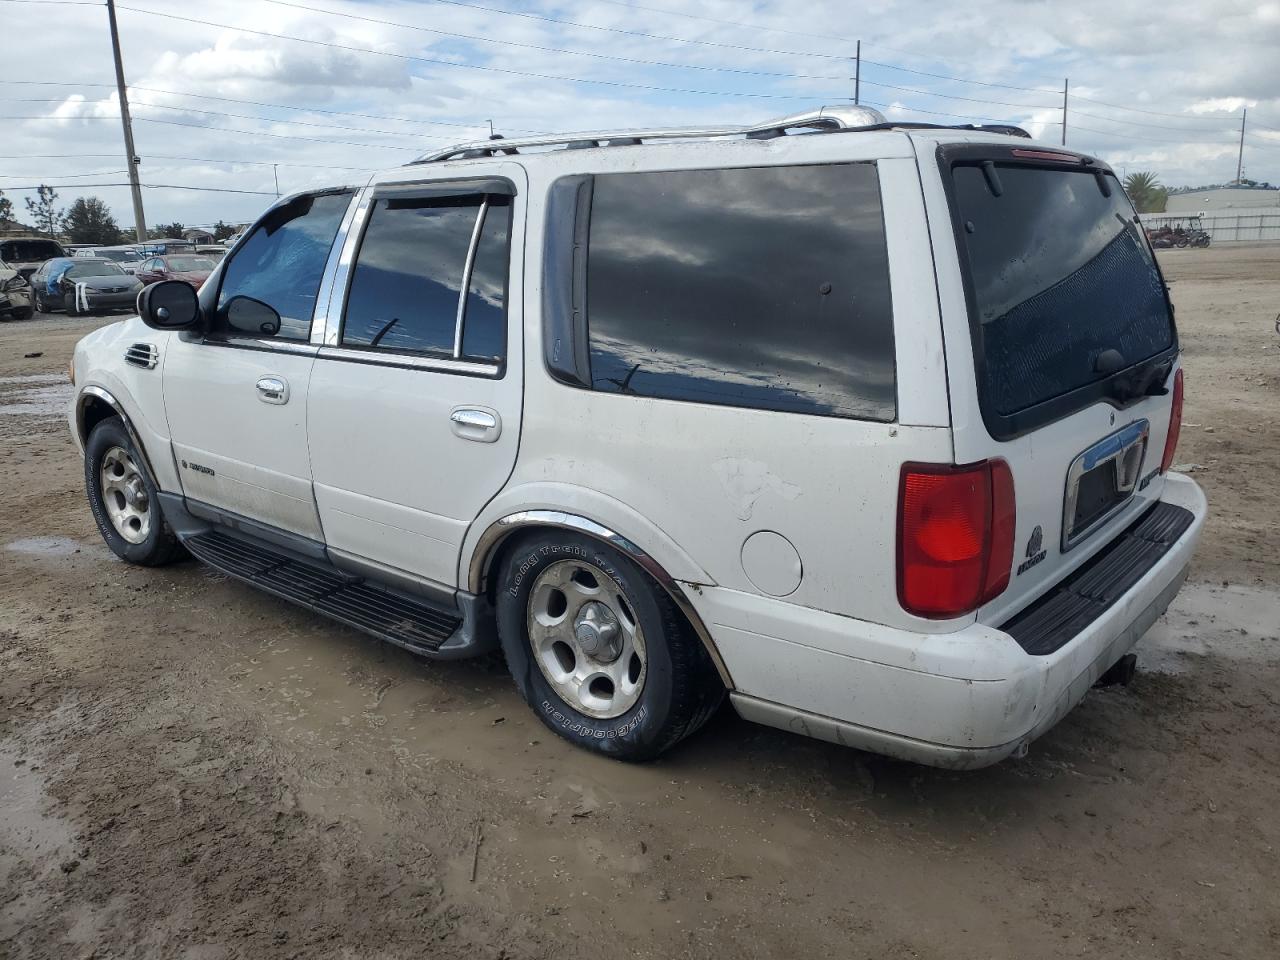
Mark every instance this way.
x=416 y=256
x=280 y=264
x=762 y=287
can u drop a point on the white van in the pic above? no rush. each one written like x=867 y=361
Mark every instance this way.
x=867 y=425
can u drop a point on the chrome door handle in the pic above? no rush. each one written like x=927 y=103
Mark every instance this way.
x=476 y=423
x=273 y=390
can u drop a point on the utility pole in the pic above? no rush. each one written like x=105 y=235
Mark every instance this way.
x=1065 y=84
x=857 y=74
x=275 y=172
x=1240 y=158
x=131 y=156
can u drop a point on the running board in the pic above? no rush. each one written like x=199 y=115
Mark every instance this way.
x=370 y=607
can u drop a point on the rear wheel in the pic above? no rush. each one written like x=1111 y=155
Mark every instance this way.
x=598 y=650
x=42 y=305
x=124 y=500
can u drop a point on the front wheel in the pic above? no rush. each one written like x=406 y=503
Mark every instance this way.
x=598 y=650
x=124 y=499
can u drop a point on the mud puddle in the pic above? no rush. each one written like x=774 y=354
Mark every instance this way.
x=39 y=395
x=1235 y=622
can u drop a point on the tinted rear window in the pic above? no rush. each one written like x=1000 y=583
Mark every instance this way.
x=762 y=287
x=26 y=251
x=1059 y=274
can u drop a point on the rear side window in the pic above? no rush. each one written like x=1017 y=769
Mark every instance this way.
x=1064 y=289
x=416 y=256
x=280 y=264
x=763 y=287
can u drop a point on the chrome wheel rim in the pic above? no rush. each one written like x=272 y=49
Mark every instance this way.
x=586 y=639
x=124 y=495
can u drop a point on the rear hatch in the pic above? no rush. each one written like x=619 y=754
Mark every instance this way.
x=1061 y=346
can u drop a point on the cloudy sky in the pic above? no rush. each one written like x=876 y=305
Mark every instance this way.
x=331 y=90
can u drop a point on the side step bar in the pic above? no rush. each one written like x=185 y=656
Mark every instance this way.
x=410 y=622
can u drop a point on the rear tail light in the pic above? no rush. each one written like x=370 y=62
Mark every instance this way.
x=955 y=536
x=1175 y=424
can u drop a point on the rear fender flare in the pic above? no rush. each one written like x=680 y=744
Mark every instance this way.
x=491 y=540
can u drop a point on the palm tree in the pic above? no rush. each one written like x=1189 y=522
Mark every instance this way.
x=1146 y=192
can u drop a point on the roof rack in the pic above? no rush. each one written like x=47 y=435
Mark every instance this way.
x=824 y=118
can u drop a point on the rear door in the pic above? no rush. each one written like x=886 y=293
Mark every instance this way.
x=414 y=409
x=1061 y=347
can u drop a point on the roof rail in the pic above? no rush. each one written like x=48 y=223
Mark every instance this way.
x=824 y=118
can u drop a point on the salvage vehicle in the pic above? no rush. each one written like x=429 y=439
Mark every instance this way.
x=127 y=257
x=813 y=413
x=25 y=254
x=182 y=266
x=15 y=294
x=81 y=285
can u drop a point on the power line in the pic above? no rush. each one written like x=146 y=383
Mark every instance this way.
x=1154 y=113
x=253 y=103
x=1153 y=126
x=476 y=66
x=155 y=186
x=275 y=136
x=164 y=156
x=1128 y=136
x=545 y=49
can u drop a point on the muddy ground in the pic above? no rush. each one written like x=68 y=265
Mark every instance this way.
x=192 y=769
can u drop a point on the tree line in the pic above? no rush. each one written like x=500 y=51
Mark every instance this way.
x=89 y=220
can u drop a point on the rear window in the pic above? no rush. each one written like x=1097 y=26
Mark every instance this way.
x=26 y=251
x=762 y=287
x=101 y=269
x=1059 y=275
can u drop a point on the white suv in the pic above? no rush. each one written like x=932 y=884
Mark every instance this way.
x=868 y=425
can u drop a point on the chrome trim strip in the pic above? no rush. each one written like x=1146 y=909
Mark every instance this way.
x=467 y=269
x=414 y=361
x=324 y=297
x=101 y=394
x=499 y=530
x=265 y=345
x=329 y=334
x=1116 y=446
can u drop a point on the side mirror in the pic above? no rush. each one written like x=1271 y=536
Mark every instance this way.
x=169 y=305
x=248 y=315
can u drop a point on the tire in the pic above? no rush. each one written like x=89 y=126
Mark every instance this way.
x=69 y=304
x=41 y=305
x=133 y=496
x=648 y=681
x=23 y=314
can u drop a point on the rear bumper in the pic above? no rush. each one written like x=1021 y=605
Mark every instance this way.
x=965 y=699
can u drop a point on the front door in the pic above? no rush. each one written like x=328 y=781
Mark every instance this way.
x=414 y=408
x=236 y=395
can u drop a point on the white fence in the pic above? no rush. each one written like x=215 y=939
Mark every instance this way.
x=1226 y=226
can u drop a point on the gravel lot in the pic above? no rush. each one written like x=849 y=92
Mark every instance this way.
x=192 y=769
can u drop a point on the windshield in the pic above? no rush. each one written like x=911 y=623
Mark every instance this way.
x=119 y=256
x=1060 y=274
x=25 y=251
x=95 y=270
x=190 y=264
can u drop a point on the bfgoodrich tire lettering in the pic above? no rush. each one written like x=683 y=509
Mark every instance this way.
x=107 y=443
x=680 y=686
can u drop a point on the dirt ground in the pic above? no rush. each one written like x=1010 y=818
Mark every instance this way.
x=189 y=768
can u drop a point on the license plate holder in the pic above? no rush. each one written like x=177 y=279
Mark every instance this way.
x=1102 y=479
